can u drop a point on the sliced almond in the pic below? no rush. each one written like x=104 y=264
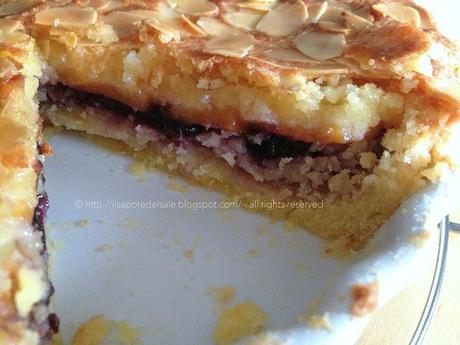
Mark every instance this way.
x=242 y=20
x=333 y=26
x=170 y=32
x=316 y=11
x=284 y=19
x=341 y=4
x=335 y=14
x=196 y=7
x=125 y=24
x=288 y=54
x=214 y=27
x=70 y=17
x=166 y=10
x=10 y=8
x=105 y=6
x=259 y=6
x=401 y=13
x=321 y=45
x=355 y=22
x=426 y=19
x=233 y=45
x=192 y=27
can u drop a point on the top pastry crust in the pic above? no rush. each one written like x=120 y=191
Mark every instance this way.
x=241 y=64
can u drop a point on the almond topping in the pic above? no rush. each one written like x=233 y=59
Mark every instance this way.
x=426 y=20
x=192 y=27
x=170 y=32
x=214 y=27
x=316 y=11
x=125 y=24
x=259 y=6
x=284 y=19
x=333 y=26
x=401 y=13
x=320 y=45
x=233 y=45
x=9 y=8
x=355 y=22
x=105 y=6
x=242 y=20
x=70 y=17
x=334 y=14
x=196 y=7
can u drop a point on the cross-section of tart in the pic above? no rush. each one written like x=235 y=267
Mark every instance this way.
x=24 y=286
x=347 y=105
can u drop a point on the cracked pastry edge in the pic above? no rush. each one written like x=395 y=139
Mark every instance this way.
x=414 y=157
x=24 y=285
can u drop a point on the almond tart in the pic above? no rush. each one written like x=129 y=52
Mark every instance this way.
x=325 y=114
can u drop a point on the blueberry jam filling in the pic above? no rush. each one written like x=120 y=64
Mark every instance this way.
x=159 y=117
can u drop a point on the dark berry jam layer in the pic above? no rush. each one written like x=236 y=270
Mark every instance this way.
x=160 y=118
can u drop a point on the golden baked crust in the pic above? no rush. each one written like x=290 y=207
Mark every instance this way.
x=239 y=64
x=24 y=287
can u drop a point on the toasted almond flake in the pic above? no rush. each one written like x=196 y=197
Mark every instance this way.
x=9 y=8
x=196 y=7
x=170 y=32
x=104 y=6
x=316 y=11
x=340 y=4
x=426 y=20
x=242 y=20
x=71 y=17
x=288 y=54
x=233 y=45
x=258 y=6
x=333 y=26
x=214 y=27
x=284 y=19
x=355 y=22
x=335 y=14
x=321 y=45
x=401 y=13
x=192 y=27
x=166 y=10
x=364 y=13
x=125 y=24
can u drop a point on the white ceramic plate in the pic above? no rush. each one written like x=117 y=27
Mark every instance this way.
x=153 y=265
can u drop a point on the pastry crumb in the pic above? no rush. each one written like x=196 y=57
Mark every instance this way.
x=364 y=298
x=103 y=248
x=223 y=295
x=244 y=319
x=99 y=330
x=421 y=238
x=189 y=253
x=254 y=253
x=317 y=321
